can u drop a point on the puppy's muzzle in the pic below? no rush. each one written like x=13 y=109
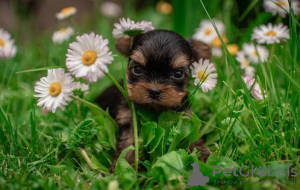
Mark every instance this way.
x=154 y=94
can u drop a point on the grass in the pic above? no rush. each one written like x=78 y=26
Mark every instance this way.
x=74 y=148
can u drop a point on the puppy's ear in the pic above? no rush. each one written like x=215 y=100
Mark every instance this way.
x=200 y=50
x=123 y=45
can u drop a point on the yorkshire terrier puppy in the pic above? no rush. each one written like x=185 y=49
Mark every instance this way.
x=157 y=75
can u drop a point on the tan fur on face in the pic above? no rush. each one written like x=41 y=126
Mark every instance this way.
x=138 y=56
x=180 y=61
x=170 y=98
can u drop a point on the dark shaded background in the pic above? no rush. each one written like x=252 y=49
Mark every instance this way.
x=40 y=14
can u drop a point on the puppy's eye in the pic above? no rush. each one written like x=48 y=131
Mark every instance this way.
x=137 y=70
x=178 y=74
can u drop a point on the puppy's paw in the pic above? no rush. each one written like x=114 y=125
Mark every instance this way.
x=200 y=146
x=129 y=158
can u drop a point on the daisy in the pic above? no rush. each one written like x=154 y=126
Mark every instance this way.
x=7 y=47
x=217 y=51
x=249 y=70
x=270 y=34
x=54 y=90
x=88 y=57
x=206 y=32
x=110 y=9
x=245 y=64
x=66 y=12
x=164 y=7
x=78 y=86
x=63 y=34
x=281 y=7
x=128 y=27
x=255 y=92
x=204 y=72
x=254 y=56
x=217 y=42
x=233 y=49
x=241 y=58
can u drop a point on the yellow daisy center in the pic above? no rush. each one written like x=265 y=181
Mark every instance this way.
x=271 y=33
x=245 y=63
x=233 y=49
x=2 y=44
x=164 y=7
x=217 y=42
x=55 y=89
x=89 y=57
x=255 y=53
x=67 y=10
x=208 y=31
x=63 y=30
x=281 y=3
x=202 y=75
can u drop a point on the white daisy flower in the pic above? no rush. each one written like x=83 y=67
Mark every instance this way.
x=206 y=32
x=217 y=52
x=110 y=9
x=7 y=47
x=241 y=58
x=249 y=70
x=281 y=7
x=146 y=26
x=66 y=12
x=270 y=34
x=245 y=64
x=54 y=90
x=128 y=27
x=81 y=87
x=255 y=92
x=62 y=35
x=204 y=72
x=254 y=56
x=88 y=57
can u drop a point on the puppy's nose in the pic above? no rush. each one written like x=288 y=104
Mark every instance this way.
x=154 y=94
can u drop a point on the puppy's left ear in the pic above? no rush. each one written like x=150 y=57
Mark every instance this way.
x=200 y=50
x=123 y=45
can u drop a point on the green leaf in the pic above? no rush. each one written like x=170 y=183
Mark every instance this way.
x=33 y=129
x=69 y=181
x=97 y=165
x=185 y=127
x=195 y=135
x=224 y=162
x=148 y=132
x=111 y=132
x=59 y=169
x=147 y=115
x=167 y=119
x=287 y=74
x=170 y=164
x=159 y=133
x=124 y=171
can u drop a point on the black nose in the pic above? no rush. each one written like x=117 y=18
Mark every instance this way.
x=154 y=94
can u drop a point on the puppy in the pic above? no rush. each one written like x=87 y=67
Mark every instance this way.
x=157 y=75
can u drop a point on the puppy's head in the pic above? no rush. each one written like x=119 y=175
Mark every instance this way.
x=158 y=68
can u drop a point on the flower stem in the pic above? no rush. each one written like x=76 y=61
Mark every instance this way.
x=118 y=86
x=94 y=106
x=135 y=131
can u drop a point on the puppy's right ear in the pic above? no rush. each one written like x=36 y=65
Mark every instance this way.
x=200 y=50
x=123 y=45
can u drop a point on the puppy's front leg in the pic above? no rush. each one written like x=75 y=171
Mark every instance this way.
x=126 y=136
